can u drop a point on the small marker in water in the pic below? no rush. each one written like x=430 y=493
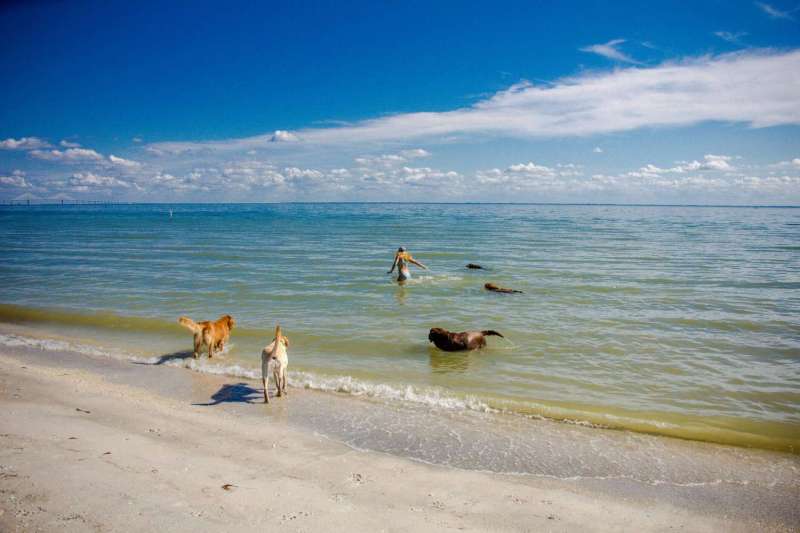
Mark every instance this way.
x=170 y=213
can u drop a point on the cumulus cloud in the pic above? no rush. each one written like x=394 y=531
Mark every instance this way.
x=69 y=144
x=23 y=143
x=127 y=163
x=16 y=179
x=792 y=163
x=755 y=88
x=597 y=150
x=68 y=155
x=709 y=162
x=283 y=136
x=84 y=181
x=415 y=153
x=610 y=50
x=529 y=175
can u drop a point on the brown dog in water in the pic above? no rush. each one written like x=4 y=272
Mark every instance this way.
x=454 y=342
x=494 y=288
x=212 y=334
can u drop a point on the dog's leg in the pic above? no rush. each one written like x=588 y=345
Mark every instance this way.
x=277 y=376
x=265 y=376
x=283 y=380
x=210 y=343
x=198 y=343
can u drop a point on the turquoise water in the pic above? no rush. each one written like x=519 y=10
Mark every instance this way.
x=682 y=321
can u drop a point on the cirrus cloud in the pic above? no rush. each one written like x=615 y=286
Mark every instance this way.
x=757 y=88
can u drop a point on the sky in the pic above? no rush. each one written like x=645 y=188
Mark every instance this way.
x=573 y=102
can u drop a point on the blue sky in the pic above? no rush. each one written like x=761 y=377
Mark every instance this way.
x=508 y=101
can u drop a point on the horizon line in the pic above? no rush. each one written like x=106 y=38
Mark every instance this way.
x=25 y=203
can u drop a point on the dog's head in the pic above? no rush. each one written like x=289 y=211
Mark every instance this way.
x=437 y=333
x=490 y=287
x=228 y=319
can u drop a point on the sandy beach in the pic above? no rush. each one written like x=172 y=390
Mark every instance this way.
x=106 y=445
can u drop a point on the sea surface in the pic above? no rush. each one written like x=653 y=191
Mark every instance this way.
x=678 y=321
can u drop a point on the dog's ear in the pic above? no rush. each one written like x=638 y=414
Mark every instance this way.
x=231 y=321
x=286 y=341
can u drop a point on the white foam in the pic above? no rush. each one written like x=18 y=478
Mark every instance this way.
x=430 y=397
x=426 y=396
x=53 y=345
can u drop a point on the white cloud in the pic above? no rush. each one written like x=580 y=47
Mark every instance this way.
x=69 y=144
x=23 y=143
x=70 y=154
x=307 y=173
x=793 y=163
x=384 y=160
x=127 y=163
x=775 y=12
x=283 y=136
x=530 y=176
x=16 y=179
x=137 y=140
x=731 y=37
x=415 y=153
x=756 y=88
x=610 y=50
x=715 y=162
x=597 y=150
x=710 y=162
x=84 y=181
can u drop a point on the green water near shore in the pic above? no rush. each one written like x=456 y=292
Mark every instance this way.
x=673 y=321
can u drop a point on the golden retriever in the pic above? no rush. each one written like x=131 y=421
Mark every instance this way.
x=212 y=334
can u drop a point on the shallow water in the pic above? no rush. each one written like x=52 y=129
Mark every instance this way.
x=682 y=321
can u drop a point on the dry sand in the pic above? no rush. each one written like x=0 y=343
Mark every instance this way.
x=82 y=450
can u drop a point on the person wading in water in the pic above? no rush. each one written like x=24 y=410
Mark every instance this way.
x=401 y=261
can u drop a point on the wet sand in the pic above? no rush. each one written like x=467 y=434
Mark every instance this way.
x=106 y=445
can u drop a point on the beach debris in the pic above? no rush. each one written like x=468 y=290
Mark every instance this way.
x=107 y=453
x=228 y=486
x=83 y=411
x=494 y=288
x=474 y=266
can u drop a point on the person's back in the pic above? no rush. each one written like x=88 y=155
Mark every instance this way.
x=401 y=262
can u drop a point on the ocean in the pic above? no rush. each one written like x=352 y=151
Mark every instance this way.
x=669 y=320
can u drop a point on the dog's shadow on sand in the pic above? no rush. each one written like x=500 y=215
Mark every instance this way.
x=235 y=393
x=167 y=357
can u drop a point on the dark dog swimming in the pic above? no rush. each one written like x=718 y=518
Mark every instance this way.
x=494 y=288
x=464 y=340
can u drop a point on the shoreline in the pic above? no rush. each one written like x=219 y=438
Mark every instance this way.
x=216 y=418
x=116 y=339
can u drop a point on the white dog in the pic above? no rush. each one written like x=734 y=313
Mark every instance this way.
x=277 y=354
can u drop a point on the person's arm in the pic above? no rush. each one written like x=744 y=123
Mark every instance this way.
x=412 y=260
x=393 y=265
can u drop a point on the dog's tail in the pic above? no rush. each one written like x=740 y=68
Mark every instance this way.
x=278 y=334
x=488 y=332
x=190 y=324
